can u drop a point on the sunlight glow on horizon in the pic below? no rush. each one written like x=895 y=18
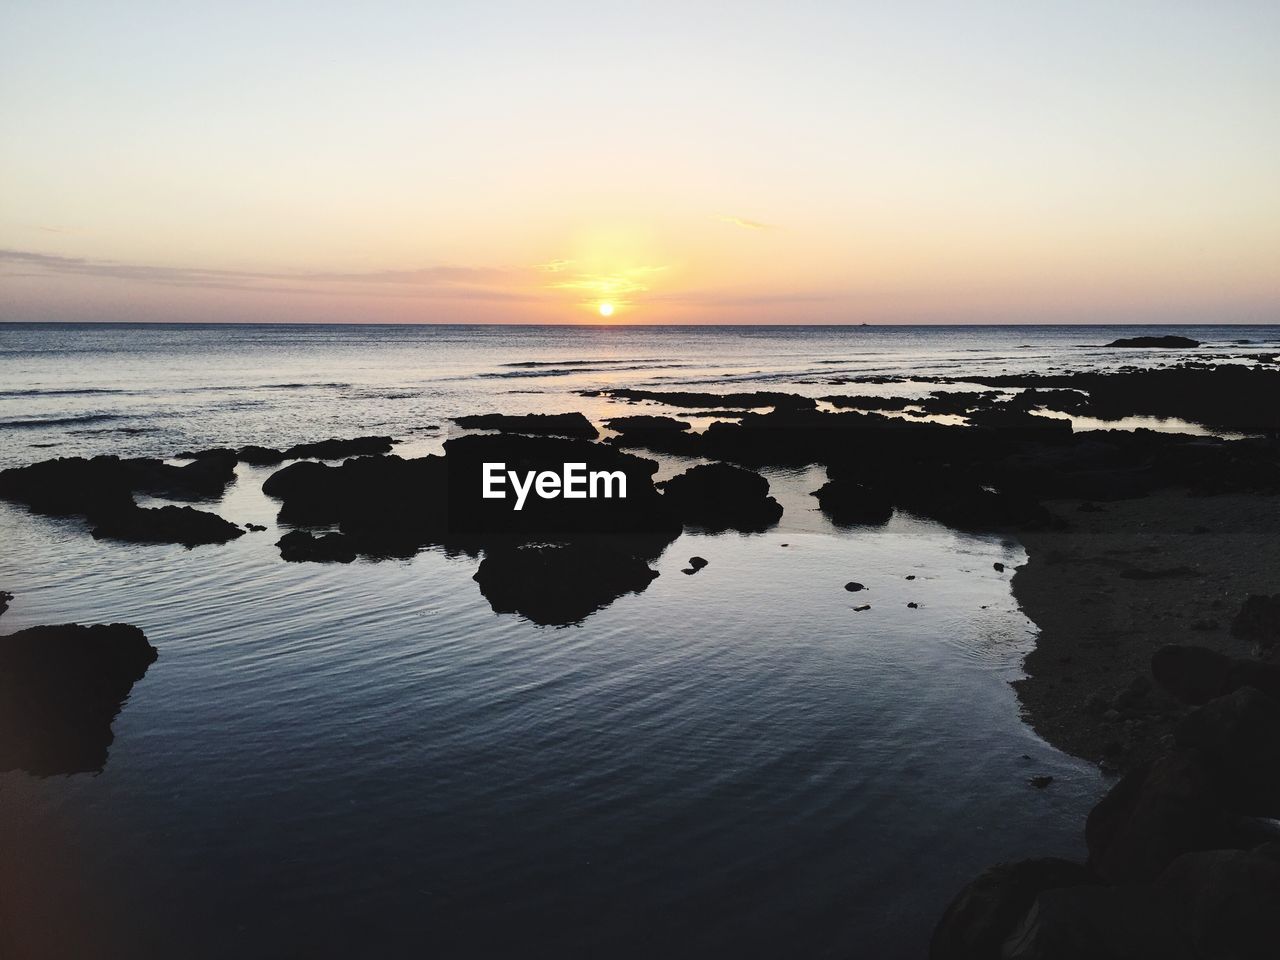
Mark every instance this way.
x=849 y=162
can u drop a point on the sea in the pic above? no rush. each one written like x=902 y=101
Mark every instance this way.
x=366 y=760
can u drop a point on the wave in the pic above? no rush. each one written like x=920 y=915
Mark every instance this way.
x=67 y=392
x=583 y=363
x=36 y=423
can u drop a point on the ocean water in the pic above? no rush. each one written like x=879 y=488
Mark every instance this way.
x=367 y=760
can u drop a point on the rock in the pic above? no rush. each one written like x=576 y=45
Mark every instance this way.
x=720 y=496
x=299 y=545
x=1239 y=735
x=338 y=449
x=254 y=527
x=102 y=489
x=910 y=576
x=1040 y=782
x=684 y=398
x=861 y=607
x=853 y=586
x=1165 y=341
x=912 y=605
x=1155 y=813
x=539 y=424
x=697 y=563
x=5 y=599
x=1222 y=903
x=992 y=906
x=849 y=503
x=1196 y=675
x=1259 y=620
x=169 y=524
x=1095 y=923
x=998 y=567
x=258 y=456
x=60 y=689
x=560 y=584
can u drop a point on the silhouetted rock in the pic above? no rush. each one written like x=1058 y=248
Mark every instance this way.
x=5 y=599
x=259 y=456
x=998 y=567
x=848 y=503
x=853 y=586
x=254 y=527
x=993 y=905
x=645 y=424
x=657 y=433
x=1259 y=620
x=168 y=524
x=101 y=490
x=299 y=545
x=720 y=496
x=337 y=449
x=687 y=398
x=1166 y=341
x=560 y=584
x=1155 y=813
x=539 y=424
x=60 y=689
x=1196 y=675
x=1239 y=735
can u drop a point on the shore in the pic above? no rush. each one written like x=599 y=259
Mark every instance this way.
x=1125 y=579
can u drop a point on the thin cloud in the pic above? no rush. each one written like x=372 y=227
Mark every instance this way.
x=746 y=224
x=452 y=282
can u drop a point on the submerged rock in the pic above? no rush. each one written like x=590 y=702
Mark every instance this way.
x=720 y=496
x=169 y=524
x=539 y=424
x=299 y=545
x=60 y=689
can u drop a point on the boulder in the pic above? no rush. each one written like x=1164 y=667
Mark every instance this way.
x=1259 y=620
x=560 y=584
x=169 y=524
x=1196 y=675
x=1156 y=812
x=992 y=906
x=60 y=689
x=1239 y=735
x=298 y=546
x=849 y=503
x=720 y=496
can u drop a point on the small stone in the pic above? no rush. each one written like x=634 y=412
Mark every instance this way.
x=998 y=567
x=913 y=605
x=697 y=563
x=862 y=606
x=1040 y=782
x=853 y=586
x=911 y=576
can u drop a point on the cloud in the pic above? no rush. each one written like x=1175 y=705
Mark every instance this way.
x=446 y=282
x=616 y=286
x=746 y=224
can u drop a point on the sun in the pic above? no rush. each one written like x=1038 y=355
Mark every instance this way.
x=606 y=309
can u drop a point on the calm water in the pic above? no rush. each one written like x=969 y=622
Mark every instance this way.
x=366 y=760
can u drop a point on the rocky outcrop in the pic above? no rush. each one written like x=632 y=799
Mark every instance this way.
x=560 y=584
x=1196 y=675
x=60 y=689
x=102 y=489
x=720 y=496
x=850 y=503
x=1165 y=341
x=536 y=424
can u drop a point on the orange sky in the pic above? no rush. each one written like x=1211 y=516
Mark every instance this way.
x=748 y=163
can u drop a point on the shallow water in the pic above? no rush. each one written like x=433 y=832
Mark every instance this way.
x=366 y=759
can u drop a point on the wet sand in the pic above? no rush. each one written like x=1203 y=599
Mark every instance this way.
x=1121 y=582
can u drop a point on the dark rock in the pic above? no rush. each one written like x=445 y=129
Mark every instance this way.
x=998 y=567
x=697 y=563
x=991 y=907
x=853 y=586
x=169 y=524
x=1196 y=675
x=1155 y=813
x=60 y=689
x=261 y=456
x=1239 y=735
x=539 y=424
x=1259 y=620
x=848 y=503
x=911 y=576
x=1040 y=782
x=1166 y=341
x=560 y=584
x=5 y=599
x=683 y=398
x=299 y=545
x=338 y=449
x=254 y=527
x=912 y=605
x=720 y=496
x=861 y=607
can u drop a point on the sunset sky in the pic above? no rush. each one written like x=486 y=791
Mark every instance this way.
x=683 y=162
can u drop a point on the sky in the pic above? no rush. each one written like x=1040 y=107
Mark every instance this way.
x=854 y=162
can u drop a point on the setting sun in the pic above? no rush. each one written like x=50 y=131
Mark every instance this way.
x=606 y=309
